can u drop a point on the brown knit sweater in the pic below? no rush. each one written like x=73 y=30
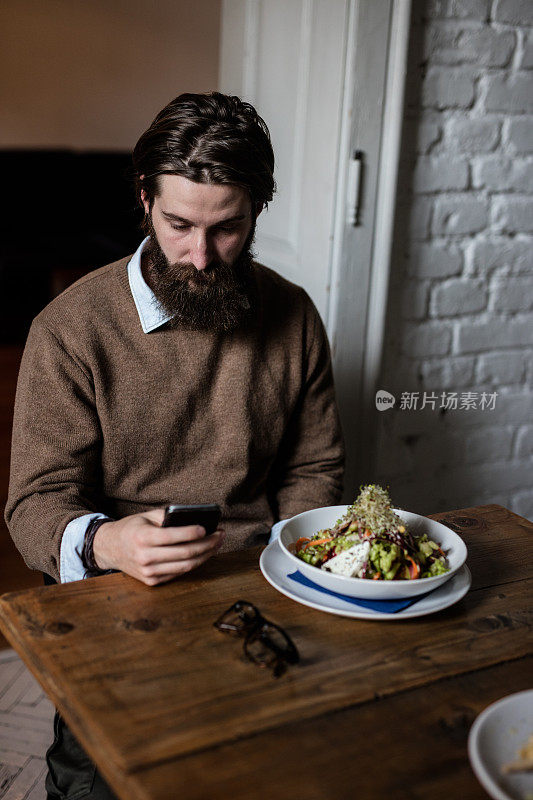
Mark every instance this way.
x=109 y=418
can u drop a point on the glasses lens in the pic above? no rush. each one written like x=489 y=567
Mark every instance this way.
x=238 y=619
x=270 y=644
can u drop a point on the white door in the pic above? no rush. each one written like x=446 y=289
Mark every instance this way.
x=287 y=58
x=325 y=74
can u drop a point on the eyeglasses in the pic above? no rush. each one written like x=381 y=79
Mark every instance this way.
x=265 y=644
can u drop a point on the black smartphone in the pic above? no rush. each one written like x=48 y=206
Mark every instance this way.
x=205 y=514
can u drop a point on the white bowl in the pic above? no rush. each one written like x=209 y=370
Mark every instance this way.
x=495 y=739
x=310 y=522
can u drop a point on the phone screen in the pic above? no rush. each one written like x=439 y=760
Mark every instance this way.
x=207 y=515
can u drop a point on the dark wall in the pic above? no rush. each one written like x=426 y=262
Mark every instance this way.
x=64 y=214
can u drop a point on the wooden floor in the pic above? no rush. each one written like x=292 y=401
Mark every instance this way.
x=13 y=572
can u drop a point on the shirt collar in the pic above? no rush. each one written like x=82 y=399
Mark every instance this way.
x=150 y=313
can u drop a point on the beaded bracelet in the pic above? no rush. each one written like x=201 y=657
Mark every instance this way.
x=87 y=554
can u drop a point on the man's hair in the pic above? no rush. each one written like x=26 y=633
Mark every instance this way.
x=207 y=138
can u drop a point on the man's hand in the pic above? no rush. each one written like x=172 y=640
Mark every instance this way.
x=139 y=546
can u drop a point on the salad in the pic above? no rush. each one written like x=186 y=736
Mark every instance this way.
x=371 y=541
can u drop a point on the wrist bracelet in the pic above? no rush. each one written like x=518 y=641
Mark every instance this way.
x=87 y=554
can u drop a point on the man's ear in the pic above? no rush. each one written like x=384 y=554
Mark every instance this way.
x=144 y=200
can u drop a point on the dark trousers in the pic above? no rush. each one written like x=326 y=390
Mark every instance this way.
x=71 y=773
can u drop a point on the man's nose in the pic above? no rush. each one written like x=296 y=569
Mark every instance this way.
x=201 y=251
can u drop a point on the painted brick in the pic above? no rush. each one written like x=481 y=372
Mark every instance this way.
x=462 y=9
x=440 y=43
x=514 y=94
x=446 y=88
x=447 y=373
x=415 y=300
x=514 y=12
x=503 y=174
x=460 y=215
x=499 y=369
x=458 y=296
x=434 y=261
x=416 y=422
x=426 y=339
x=513 y=215
x=494 y=496
x=459 y=372
x=522 y=503
x=503 y=254
x=524 y=442
x=419 y=218
x=482 y=445
x=429 y=496
x=464 y=483
x=433 y=9
x=487 y=47
x=451 y=43
x=520 y=135
x=469 y=9
x=440 y=173
x=436 y=450
x=428 y=134
x=509 y=409
x=506 y=476
x=472 y=135
x=393 y=463
x=527 y=55
x=440 y=457
x=497 y=333
x=512 y=294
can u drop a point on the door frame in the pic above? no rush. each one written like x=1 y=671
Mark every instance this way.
x=362 y=254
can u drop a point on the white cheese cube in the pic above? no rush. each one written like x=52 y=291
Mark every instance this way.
x=349 y=562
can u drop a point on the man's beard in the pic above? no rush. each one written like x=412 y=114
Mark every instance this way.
x=221 y=298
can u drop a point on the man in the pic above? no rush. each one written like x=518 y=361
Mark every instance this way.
x=183 y=374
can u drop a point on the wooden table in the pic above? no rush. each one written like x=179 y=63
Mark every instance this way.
x=169 y=707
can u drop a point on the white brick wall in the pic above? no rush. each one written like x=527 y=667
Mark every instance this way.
x=461 y=298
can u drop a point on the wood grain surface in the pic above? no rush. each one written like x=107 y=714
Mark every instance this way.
x=147 y=683
x=410 y=746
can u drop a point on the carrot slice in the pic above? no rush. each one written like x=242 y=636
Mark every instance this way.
x=301 y=541
x=414 y=572
x=377 y=576
x=312 y=542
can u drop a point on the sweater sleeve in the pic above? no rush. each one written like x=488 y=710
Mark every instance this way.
x=309 y=469
x=55 y=452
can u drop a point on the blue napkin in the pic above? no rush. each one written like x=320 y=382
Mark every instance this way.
x=385 y=606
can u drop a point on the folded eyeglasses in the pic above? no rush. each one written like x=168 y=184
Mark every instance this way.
x=265 y=643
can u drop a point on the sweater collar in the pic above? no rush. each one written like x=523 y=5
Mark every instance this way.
x=151 y=315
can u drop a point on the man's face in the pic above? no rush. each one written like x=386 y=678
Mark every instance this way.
x=197 y=223
x=199 y=259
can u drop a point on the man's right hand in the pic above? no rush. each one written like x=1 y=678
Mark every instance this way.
x=139 y=546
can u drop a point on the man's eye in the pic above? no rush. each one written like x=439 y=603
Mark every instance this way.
x=225 y=229
x=178 y=227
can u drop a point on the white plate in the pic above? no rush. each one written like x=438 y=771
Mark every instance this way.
x=275 y=566
x=309 y=522
x=495 y=738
